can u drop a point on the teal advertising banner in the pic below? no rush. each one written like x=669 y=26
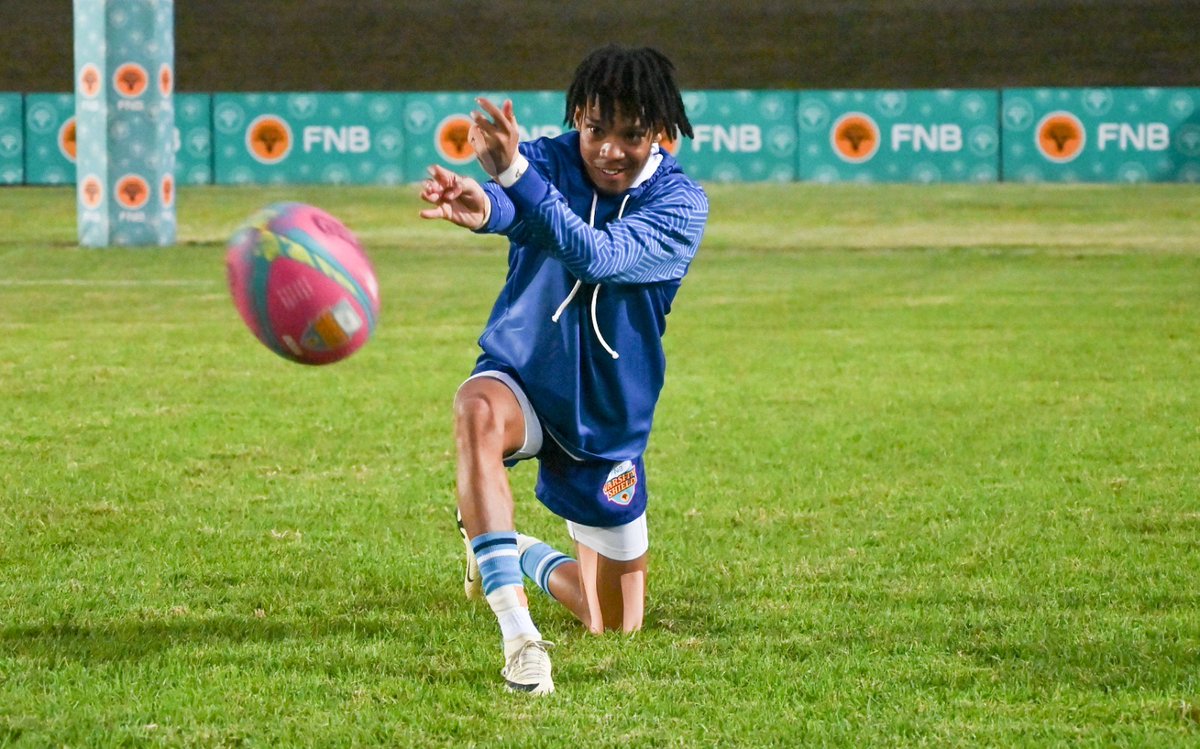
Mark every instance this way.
x=324 y=138
x=12 y=139
x=50 y=139
x=740 y=136
x=1101 y=135
x=1014 y=135
x=125 y=112
x=436 y=125
x=899 y=136
x=47 y=139
x=193 y=139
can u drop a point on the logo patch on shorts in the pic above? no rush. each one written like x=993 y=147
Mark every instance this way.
x=621 y=483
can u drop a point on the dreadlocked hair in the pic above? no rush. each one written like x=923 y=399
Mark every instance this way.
x=638 y=82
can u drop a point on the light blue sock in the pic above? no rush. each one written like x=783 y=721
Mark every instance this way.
x=496 y=554
x=500 y=571
x=539 y=561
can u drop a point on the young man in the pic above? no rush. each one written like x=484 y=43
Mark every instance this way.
x=602 y=225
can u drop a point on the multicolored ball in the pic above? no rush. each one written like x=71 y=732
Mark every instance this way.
x=302 y=283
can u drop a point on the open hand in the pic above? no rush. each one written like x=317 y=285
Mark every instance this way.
x=457 y=199
x=494 y=140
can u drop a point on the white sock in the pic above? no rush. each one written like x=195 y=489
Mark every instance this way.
x=515 y=621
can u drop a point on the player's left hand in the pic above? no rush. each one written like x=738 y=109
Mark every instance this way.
x=494 y=139
x=457 y=199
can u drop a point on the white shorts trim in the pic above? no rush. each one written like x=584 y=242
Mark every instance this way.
x=620 y=542
x=533 y=428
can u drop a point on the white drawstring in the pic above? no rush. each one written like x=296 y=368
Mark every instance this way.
x=596 y=289
x=558 y=313
x=596 y=325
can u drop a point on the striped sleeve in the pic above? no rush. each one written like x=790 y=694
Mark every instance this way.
x=503 y=213
x=652 y=242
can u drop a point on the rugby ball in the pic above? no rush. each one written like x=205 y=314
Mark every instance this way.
x=302 y=283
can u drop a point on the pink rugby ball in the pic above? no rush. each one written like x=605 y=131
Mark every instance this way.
x=302 y=283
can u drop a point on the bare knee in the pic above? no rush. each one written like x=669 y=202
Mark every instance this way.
x=487 y=418
x=475 y=416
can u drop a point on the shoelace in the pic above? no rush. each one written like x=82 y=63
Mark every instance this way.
x=596 y=290
x=531 y=657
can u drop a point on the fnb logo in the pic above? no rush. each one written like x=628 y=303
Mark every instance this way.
x=91 y=192
x=89 y=80
x=166 y=80
x=946 y=138
x=67 y=144
x=132 y=191
x=452 y=139
x=1060 y=137
x=130 y=80
x=538 y=131
x=167 y=188
x=855 y=137
x=269 y=139
x=670 y=142
x=732 y=138
x=347 y=139
x=1126 y=136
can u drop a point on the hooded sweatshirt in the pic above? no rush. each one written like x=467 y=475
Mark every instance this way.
x=590 y=282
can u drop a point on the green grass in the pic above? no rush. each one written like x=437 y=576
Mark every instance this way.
x=926 y=471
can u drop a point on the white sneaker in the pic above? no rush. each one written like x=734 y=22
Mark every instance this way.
x=472 y=580
x=528 y=668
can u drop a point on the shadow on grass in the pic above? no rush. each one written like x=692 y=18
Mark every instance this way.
x=397 y=654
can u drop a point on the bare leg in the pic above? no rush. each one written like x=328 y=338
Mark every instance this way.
x=488 y=424
x=603 y=593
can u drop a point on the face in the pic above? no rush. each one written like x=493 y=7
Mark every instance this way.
x=614 y=152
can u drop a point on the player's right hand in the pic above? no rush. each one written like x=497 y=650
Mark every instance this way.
x=494 y=135
x=455 y=198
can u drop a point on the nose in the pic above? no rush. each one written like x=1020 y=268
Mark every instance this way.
x=611 y=150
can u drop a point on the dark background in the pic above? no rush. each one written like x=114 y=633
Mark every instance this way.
x=367 y=45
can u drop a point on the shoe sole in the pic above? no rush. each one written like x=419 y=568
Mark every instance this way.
x=529 y=688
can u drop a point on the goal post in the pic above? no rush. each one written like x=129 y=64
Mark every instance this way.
x=125 y=122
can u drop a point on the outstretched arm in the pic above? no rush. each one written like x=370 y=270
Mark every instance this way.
x=652 y=242
x=461 y=200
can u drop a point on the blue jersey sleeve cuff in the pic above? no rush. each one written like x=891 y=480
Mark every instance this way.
x=527 y=192
x=503 y=211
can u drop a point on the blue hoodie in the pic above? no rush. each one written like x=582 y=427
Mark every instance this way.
x=594 y=383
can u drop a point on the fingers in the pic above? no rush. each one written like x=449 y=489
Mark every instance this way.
x=442 y=211
x=442 y=185
x=486 y=105
x=502 y=119
x=442 y=175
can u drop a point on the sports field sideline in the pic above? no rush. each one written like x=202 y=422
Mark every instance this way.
x=926 y=470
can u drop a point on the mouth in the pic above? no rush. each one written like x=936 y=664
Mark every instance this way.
x=607 y=171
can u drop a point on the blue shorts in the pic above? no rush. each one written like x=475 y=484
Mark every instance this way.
x=597 y=493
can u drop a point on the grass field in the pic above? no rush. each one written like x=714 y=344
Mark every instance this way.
x=926 y=471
